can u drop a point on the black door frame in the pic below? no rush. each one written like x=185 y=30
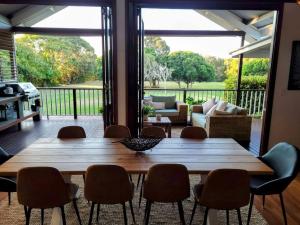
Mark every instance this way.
x=131 y=53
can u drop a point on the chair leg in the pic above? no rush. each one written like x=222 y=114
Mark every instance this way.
x=9 y=197
x=264 y=200
x=250 y=209
x=42 y=216
x=130 y=177
x=98 y=212
x=227 y=217
x=91 y=213
x=239 y=216
x=193 y=212
x=205 y=216
x=63 y=215
x=132 y=212
x=27 y=215
x=181 y=212
x=148 y=213
x=83 y=176
x=146 y=210
x=283 y=208
x=77 y=211
x=125 y=214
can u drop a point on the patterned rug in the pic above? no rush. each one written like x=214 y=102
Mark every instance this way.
x=162 y=214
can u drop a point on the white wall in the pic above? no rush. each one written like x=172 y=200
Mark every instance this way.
x=121 y=46
x=285 y=123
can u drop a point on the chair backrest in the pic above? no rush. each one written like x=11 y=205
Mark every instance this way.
x=167 y=183
x=117 y=131
x=283 y=158
x=41 y=187
x=153 y=132
x=226 y=189
x=193 y=133
x=71 y=132
x=4 y=156
x=107 y=184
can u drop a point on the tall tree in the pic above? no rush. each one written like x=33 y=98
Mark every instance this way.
x=157 y=47
x=51 y=60
x=190 y=67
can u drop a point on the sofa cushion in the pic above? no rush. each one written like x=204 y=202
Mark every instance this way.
x=208 y=105
x=167 y=112
x=170 y=101
x=198 y=120
x=221 y=105
x=158 y=105
x=211 y=112
x=232 y=109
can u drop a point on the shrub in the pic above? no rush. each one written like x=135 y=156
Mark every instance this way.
x=248 y=82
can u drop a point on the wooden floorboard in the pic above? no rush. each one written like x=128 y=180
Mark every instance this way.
x=272 y=211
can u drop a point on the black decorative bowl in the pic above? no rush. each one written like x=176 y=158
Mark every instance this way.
x=140 y=144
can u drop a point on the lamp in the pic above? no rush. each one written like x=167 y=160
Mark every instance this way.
x=298 y=2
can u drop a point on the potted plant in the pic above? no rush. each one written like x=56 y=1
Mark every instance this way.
x=147 y=110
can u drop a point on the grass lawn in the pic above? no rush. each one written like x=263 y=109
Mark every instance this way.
x=169 y=85
x=196 y=85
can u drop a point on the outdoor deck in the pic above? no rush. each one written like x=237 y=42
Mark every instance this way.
x=14 y=141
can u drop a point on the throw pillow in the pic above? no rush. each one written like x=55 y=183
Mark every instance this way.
x=158 y=105
x=147 y=101
x=208 y=105
x=221 y=106
x=211 y=112
x=231 y=109
x=170 y=101
x=224 y=113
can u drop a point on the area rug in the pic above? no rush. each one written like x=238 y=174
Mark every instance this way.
x=161 y=214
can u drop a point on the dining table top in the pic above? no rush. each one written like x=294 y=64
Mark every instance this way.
x=74 y=156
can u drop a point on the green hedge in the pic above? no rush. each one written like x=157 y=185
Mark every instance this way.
x=248 y=82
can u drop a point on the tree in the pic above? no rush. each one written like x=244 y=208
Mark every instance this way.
x=219 y=67
x=155 y=72
x=189 y=67
x=51 y=60
x=157 y=47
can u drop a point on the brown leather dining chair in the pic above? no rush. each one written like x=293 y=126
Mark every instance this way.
x=153 y=132
x=108 y=184
x=193 y=133
x=44 y=188
x=117 y=131
x=224 y=189
x=71 y=132
x=166 y=183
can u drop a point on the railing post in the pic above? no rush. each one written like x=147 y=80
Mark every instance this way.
x=184 y=95
x=74 y=104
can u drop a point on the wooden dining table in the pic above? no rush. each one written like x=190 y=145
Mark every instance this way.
x=74 y=156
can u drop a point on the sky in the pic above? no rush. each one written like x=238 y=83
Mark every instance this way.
x=168 y=19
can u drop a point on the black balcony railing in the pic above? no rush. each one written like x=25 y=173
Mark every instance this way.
x=69 y=101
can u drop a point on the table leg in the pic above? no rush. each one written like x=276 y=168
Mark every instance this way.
x=169 y=131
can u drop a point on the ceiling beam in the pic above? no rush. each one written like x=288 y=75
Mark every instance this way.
x=267 y=18
x=4 y=22
x=230 y=21
x=33 y=14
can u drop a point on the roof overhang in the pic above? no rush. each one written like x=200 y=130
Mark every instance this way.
x=258 y=49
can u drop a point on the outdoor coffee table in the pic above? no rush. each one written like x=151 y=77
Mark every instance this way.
x=164 y=122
